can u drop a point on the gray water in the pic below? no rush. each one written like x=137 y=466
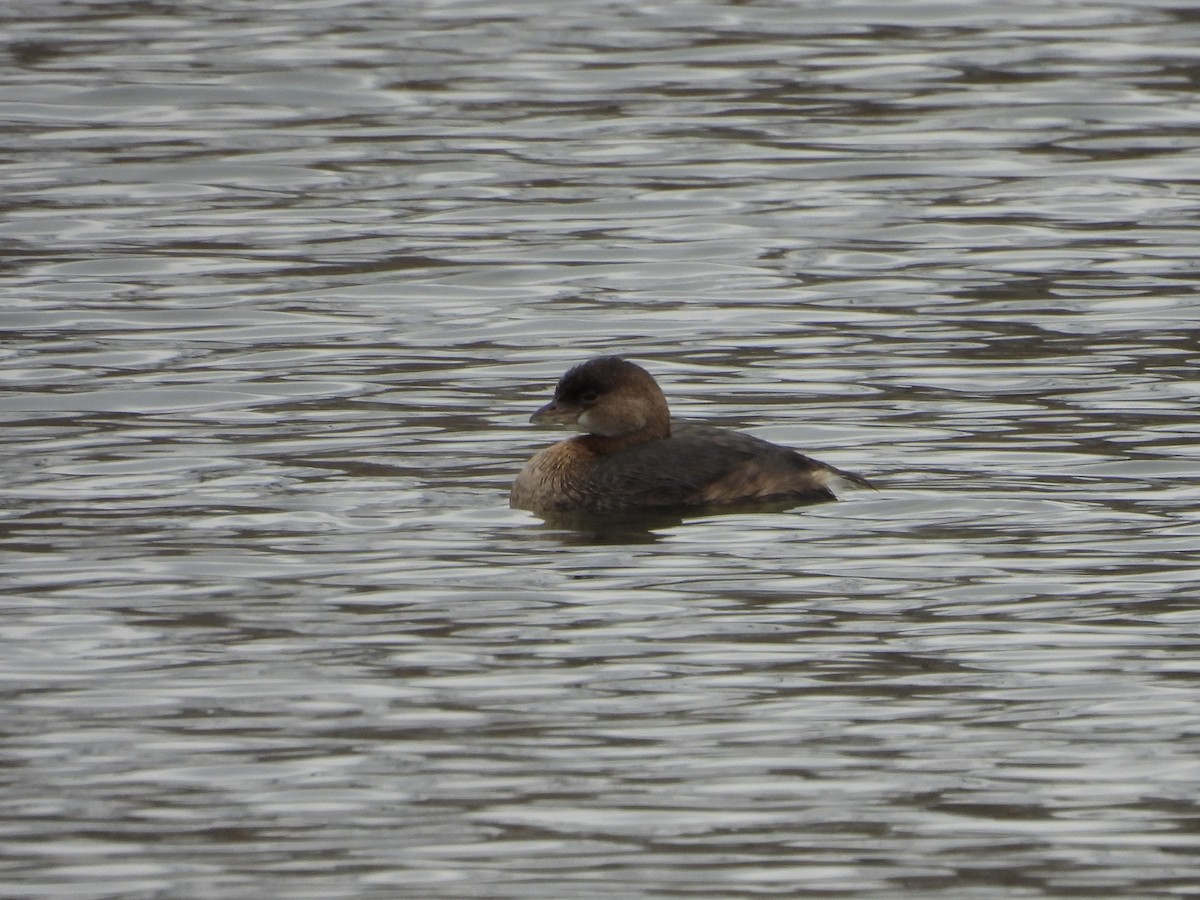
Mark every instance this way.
x=282 y=283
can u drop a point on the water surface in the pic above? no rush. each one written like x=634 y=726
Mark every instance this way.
x=283 y=283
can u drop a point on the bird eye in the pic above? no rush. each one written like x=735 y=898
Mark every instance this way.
x=588 y=396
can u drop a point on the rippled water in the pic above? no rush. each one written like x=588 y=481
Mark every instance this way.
x=281 y=285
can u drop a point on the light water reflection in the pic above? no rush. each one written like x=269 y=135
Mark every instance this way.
x=282 y=287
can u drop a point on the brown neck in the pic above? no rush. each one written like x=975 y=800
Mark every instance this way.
x=600 y=444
